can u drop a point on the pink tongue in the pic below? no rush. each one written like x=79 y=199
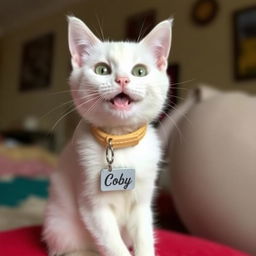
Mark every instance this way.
x=121 y=102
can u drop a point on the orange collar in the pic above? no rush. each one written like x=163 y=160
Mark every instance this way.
x=119 y=141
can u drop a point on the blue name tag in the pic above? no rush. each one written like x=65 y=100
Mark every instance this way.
x=117 y=179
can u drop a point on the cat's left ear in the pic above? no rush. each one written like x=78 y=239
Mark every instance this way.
x=159 y=41
x=80 y=39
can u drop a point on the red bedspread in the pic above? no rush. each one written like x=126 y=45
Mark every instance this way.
x=26 y=242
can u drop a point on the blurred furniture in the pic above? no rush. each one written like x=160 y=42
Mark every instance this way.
x=40 y=138
x=212 y=166
x=166 y=216
x=25 y=165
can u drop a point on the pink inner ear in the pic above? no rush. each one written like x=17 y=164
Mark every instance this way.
x=77 y=60
x=161 y=63
x=160 y=55
x=80 y=39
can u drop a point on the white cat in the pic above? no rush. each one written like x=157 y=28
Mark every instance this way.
x=117 y=87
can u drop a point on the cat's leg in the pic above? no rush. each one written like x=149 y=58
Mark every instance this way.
x=64 y=232
x=140 y=228
x=103 y=226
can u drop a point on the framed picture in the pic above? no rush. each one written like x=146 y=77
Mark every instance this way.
x=245 y=43
x=36 y=63
x=139 y=25
x=204 y=11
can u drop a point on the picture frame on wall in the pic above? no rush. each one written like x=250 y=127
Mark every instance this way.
x=204 y=11
x=36 y=63
x=139 y=25
x=245 y=44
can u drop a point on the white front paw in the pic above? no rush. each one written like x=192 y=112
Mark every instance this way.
x=81 y=253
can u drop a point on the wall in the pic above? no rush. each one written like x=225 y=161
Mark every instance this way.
x=205 y=54
x=15 y=105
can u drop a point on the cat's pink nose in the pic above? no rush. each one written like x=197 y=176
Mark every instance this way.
x=122 y=81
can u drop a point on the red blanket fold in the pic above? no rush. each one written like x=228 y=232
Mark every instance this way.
x=27 y=242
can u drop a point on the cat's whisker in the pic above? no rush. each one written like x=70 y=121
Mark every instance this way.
x=159 y=85
x=175 y=125
x=70 y=111
x=73 y=90
x=95 y=97
x=56 y=108
x=177 y=97
x=90 y=83
x=97 y=33
x=179 y=111
x=178 y=83
x=183 y=82
x=62 y=92
x=64 y=104
x=87 y=89
x=173 y=87
x=93 y=106
x=59 y=92
x=76 y=129
x=141 y=30
x=165 y=130
x=89 y=95
x=100 y=27
x=63 y=116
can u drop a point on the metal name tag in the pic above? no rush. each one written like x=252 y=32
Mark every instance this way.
x=117 y=179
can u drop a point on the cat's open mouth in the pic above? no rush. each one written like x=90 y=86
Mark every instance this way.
x=121 y=101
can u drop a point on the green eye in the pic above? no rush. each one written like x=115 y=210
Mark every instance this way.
x=139 y=70
x=102 y=69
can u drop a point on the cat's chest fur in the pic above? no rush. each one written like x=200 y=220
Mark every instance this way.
x=143 y=157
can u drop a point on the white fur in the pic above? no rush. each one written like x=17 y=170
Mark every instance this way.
x=81 y=220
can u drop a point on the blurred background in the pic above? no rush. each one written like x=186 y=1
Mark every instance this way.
x=214 y=42
x=35 y=61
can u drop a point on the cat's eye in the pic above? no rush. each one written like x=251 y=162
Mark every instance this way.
x=139 y=70
x=102 y=69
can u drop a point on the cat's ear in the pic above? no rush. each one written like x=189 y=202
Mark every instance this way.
x=80 y=38
x=159 y=41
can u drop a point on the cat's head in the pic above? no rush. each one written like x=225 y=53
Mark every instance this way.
x=119 y=83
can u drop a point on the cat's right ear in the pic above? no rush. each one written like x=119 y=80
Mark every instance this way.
x=159 y=41
x=80 y=39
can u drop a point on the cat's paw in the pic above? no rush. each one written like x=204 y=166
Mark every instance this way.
x=81 y=253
